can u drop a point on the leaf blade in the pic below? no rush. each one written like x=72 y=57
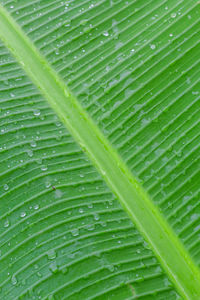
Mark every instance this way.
x=106 y=160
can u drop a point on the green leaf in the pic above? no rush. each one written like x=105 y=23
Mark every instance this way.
x=122 y=76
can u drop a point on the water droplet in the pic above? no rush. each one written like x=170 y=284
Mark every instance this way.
x=58 y=124
x=6 y=187
x=111 y=268
x=75 y=232
x=97 y=254
x=106 y=33
x=58 y=194
x=51 y=254
x=194 y=217
x=90 y=227
x=80 y=210
x=36 y=206
x=39 y=274
x=44 y=168
x=197 y=228
x=6 y=223
x=167 y=283
x=64 y=270
x=53 y=267
x=87 y=29
x=23 y=214
x=173 y=15
x=152 y=46
x=30 y=153
x=14 y=280
x=83 y=22
x=39 y=161
x=103 y=224
x=47 y=184
x=36 y=112
x=33 y=144
x=96 y=216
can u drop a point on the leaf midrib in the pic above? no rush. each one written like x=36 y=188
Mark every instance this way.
x=174 y=258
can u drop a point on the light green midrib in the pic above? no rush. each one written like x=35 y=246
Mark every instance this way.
x=174 y=258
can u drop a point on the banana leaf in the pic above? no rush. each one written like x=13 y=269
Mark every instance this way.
x=99 y=149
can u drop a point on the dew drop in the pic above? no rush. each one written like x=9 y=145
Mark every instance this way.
x=51 y=254
x=64 y=270
x=36 y=206
x=90 y=227
x=106 y=33
x=36 y=112
x=173 y=15
x=96 y=216
x=103 y=224
x=30 y=153
x=39 y=274
x=6 y=187
x=194 y=217
x=111 y=268
x=14 y=280
x=83 y=22
x=58 y=194
x=44 y=168
x=23 y=214
x=53 y=267
x=152 y=46
x=6 y=223
x=58 y=124
x=75 y=232
x=47 y=184
x=33 y=144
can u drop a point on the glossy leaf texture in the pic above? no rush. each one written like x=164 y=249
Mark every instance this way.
x=134 y=68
